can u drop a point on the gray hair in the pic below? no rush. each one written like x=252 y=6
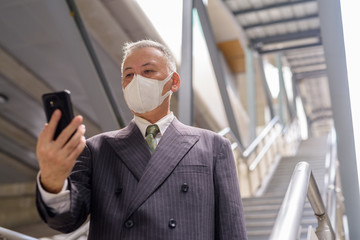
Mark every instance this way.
x=131 y=46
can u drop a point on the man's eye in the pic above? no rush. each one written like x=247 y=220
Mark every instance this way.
x=148 y=71
x=129 y=75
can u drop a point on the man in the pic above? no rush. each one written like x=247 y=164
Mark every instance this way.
x=176 y=182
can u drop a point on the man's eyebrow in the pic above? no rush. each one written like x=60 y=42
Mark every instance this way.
x=144 y=65
x=127 y=68
x=147 y=64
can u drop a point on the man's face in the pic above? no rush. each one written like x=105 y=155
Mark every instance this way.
x=148 y=62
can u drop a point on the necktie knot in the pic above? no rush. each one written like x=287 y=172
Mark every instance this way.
x=151 y=132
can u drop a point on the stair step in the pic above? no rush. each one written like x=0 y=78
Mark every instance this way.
x=254 y=216
x=269 y=207
x=261 y=201
x=270 y=222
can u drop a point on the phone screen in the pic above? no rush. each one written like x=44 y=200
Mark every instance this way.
x=58 y=100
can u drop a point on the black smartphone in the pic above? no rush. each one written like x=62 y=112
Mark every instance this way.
x=62 y=101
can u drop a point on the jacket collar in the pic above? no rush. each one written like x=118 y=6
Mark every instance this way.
x=130 y=146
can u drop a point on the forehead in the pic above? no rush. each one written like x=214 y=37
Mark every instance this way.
x=141 y=56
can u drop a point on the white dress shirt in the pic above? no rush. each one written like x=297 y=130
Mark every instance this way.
x=60 y=202
x=162 y=124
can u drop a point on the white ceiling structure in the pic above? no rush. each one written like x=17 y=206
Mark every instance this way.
x=291 y=28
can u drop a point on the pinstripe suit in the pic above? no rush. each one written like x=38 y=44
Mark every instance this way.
x=187 y=189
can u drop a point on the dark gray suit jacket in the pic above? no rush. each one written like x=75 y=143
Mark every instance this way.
x=188 y=188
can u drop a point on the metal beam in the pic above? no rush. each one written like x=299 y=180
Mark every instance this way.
x=290 y=48
x=266 y=87
x=306 y=54
x=282 y=90
x=310 y=68
x=307 y=64
x=217 y=66
x=251 y=92
x=296 y=93
x=286 y=20
x=287 y=37
x=311 y=74
x=186 y=112
x=302 y=61
x=277 y=5
x=333 y=41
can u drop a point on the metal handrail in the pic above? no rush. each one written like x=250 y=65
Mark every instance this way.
x=263 y=151
x=251 y=148
x=245 y=153
x=12 y=235
x=287 y=223
x=330 y=180
x=236 y=145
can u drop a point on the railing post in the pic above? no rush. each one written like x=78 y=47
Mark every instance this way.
x=324 y=229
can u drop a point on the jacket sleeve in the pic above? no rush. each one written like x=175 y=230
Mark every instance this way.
x=80 y=199
x=229 y=214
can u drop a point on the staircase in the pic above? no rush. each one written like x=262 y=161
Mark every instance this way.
x=261 y=212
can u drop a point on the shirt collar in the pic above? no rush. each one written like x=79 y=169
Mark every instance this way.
x=163 y=123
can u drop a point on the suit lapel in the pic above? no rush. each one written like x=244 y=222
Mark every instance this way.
x=131 y=148
x=172 y=147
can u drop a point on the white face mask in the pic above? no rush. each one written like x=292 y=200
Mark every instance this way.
x=145 y=94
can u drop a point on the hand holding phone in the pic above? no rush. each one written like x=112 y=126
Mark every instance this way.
x=57 y=158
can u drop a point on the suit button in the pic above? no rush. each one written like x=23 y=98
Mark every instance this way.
x=172 y=223
x=129 y=224
x=185 y=187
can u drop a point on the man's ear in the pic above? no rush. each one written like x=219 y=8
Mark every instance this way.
x=175 y=82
